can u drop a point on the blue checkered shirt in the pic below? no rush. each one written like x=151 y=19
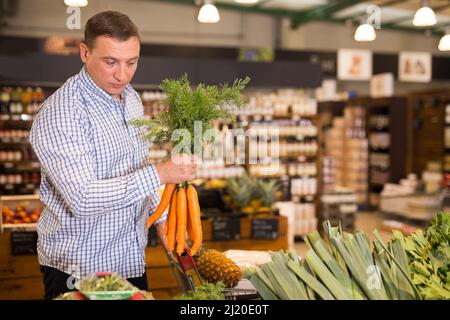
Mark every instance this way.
x=96 y=182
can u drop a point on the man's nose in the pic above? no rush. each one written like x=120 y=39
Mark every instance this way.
x=120 y=73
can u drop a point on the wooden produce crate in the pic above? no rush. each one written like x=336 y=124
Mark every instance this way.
x=20 y=276
x=20 y=212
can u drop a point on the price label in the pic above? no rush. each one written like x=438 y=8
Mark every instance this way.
x=225 y=228
x=23 y=243
x=265 y=229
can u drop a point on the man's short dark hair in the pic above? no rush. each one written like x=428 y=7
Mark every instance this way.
x=110 y=23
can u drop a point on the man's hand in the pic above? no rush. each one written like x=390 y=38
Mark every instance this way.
x=179 y=168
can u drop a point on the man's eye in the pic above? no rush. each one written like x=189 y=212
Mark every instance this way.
x=131 y=64
x=110 y=63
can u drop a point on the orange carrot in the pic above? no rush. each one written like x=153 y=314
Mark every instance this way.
x=172 y=222
x=194 y=212
x=165 y=199
x=189 y=222
x=181 y=219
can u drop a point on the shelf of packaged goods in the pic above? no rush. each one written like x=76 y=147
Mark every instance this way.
x=379 y=150
x=296 y=138
x=20 y=170
x=14 y=144
x=300 y=157
x=19 y=227
x=20 y=197
x=379 y=130
x=20 y=117
x=16 y=124
x=14 y=140
x=28 y=164
x=377 y=185
x=267 y=117
x=23 y=186
x=304 y=197
x=380 y=168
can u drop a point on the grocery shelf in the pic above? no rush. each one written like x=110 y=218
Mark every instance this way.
x=19 y=197
x=19 y=227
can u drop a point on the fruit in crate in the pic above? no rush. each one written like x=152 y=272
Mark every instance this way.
x=20 y=215
x=215 y=184
x=214 y=266
x=250 y=195
x=267 y=191
x=240 y=191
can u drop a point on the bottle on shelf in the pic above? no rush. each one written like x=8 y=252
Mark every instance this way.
x=5 y=98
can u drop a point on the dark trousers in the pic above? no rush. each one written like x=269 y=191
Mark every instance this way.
x=57 y=282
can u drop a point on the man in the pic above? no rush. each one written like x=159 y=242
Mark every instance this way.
x=96 y=182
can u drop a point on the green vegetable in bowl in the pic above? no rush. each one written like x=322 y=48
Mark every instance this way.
x=207 y=291
x=109 y=282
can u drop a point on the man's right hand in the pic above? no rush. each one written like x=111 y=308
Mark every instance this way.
x=181 y=167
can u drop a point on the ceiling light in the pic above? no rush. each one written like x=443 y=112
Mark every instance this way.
x=246 y=1
x=365 y=32
x=425 y=16
x=76 y=3
x=208 y=13
x=444 y=43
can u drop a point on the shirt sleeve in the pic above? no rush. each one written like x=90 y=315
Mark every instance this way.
x=61 y=143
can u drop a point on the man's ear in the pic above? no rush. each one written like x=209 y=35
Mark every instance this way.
x=84 y=52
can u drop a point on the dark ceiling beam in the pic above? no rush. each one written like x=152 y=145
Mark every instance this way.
x=399 y=28
x=439 y=26
x=388 y=3
x=243 y=9
x=321 y=12
x=260 y=3
x=409 y=17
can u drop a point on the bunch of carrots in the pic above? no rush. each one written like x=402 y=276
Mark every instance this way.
x=184 y=217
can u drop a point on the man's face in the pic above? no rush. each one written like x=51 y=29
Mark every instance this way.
x=111 y=63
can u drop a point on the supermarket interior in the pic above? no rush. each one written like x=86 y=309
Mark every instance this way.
x=330 y=151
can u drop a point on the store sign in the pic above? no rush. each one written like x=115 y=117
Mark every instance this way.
x=414 y=66
x=354 y=64
x=23 y=243
x=265 y=229
x=224 y=229
x=152 y=237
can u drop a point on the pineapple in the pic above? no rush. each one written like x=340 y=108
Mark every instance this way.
x=214 y=266
x=267 y=192
x=240 y=192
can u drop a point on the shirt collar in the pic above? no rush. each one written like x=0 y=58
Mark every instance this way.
x=92 y=87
